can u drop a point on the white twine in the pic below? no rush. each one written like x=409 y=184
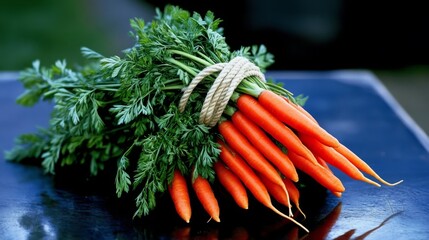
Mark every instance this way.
x=230 y=76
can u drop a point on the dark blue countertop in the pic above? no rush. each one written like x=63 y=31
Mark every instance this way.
x=352 y=105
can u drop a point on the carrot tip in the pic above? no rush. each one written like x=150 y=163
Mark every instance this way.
x=337 y=194
x=392 y=184
x=367 y=180
x=217 y=219
x=302 y=212
x=289 y=218
x=388 y=183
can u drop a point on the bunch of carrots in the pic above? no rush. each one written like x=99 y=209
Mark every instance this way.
x=125 y=107
x=265 y=139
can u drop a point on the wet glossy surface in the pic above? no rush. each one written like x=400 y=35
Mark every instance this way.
x=353 y=106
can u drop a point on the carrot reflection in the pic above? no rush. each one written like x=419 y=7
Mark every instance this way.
x=182 y=233
x=322 y=230
x=364 y=235
x=325 y=226
x=277 y=229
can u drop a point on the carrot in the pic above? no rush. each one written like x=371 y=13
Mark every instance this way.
x=250 y=179
x=322 y=175
x=325 y=165
x=253 y=157
x=206 y=197
x=265 y=145
x=334 y=158
x=361 y=165
x=178 y=190
x=301 y=109
x=249 y=106
x=322 y=162
x=232 y=184
x=346 y=152
x=293 y=194
x=277 y=193
x=292 y=117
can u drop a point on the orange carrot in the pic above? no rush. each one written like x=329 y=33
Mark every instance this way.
x=294 y=118
x=361 y=165
x=325 y=165
x=277 y=193
x=322 y=162
x=250 y=179
x=232 y=184
x=207 y=198
x=265 y=145
x=245 y=173
x=293 y=194
x=346 y=152
x=253 y=157
x=334 y=158
x=301 y=109
x=178 y=190
x=278 y=130
x=322 y=175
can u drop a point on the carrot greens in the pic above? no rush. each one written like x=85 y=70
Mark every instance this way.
x=124 y=108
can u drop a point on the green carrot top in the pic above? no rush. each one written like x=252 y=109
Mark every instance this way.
x=123 y=110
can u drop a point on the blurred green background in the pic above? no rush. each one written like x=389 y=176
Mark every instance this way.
x=389 y=38
x=47 y=30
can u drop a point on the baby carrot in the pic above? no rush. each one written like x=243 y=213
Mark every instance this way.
x=207 y=198
x=361 y=165
x=250 y=179
x=334 y=158
x=232 y=184
x=179 y=194
x=294 y=118
x=322 y=175
x=250 y=154
x=249 y=106
x=264 y=144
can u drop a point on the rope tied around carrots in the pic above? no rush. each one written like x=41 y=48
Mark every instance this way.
x=230 y=76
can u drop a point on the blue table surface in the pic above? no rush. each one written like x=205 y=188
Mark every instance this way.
x=352 y=105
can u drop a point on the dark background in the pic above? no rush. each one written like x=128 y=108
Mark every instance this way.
x=304 y=34
x=317 y=34
x=389 y=38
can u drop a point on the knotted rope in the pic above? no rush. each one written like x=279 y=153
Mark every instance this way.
x=230 y=76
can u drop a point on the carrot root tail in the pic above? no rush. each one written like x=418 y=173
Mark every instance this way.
x=289 y=218
x=376 y=176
